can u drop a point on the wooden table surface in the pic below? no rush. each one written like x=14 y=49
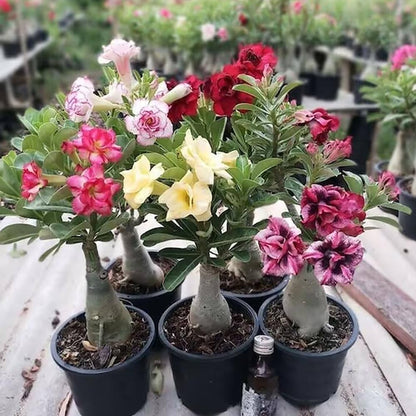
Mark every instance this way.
x=377 y=380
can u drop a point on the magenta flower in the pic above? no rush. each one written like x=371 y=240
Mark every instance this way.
x=222 y=34
x=95 y=145
x=92 y=191
x=331 y=208
x=402 y=55
x=32 y=181
x=337 y=149
x=297 y=6
x=312 y=148
x=79 y=101
x=165 y=13
x=120 y=52
x=387 y=183
x=335 y=259
x=281 y=247
x=150 y=121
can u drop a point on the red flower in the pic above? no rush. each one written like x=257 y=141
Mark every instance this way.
x=320 y=123
x=253 y=59
x=387 y=184
x=281 y=247
x=92 y=191
x=5 y=6
x=337 y=149
x=95 y=145
x=243 y=19
x=331 y=208
x=335 y=259
x=188 y=105
x=219 y=88
x=32 y=181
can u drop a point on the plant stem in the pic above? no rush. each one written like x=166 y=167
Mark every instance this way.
x=209 y=310
x=401 y=162
x=108 y=321
x=138 y=266
x=305 y=303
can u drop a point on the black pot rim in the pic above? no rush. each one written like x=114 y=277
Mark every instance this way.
x=129 y=296
x=288 y=350
x=328 y=76
x=61 y=363
x=208 y=358
x=401 y=184
x=269 y=292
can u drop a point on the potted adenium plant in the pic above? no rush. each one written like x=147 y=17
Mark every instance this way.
x=393 y=91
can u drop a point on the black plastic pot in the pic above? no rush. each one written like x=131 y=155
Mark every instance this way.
x=407 y=222
x=12 y=49
x=382 y=54
x=42 y=35
x=120 y=390
x=297 y=93
x=309 y=87
x=154 y=303
x=210 y=384
x=379 y=168
x=255 y=300
x=327 y=87
x=358 y=96
x=361 y=51
x=306 y=378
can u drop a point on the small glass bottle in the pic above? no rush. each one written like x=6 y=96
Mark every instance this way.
x=261 y=389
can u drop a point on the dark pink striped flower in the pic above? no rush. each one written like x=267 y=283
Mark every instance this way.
x=281 y=247
x=335 y=258
x=387 y=183
x=320 y=123
x=337 y=149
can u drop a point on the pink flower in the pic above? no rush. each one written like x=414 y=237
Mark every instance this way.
x=281 y=247
x=297 y=7
x=150 y=121
x=120 y=52
x=116 y=91
x=95 y=145
x=387 y=183
x=92 y=191
x=252 y=59
x=320 y=123
x=79 y=101
x=312 y=148
x=222 y=33
x=208 y=32
x=335 y=259
x=165 y=13
x=32 y=181
x=402 y=55
x=331 y=208
x=337 y=149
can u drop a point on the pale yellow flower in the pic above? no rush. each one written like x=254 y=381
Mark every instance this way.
x=198 y=154
x=140 y=182
x=188 y=197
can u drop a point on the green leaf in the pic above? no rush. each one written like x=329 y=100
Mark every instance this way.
x=248 y=89
x=178 y=253
x=399 y=207
x=243 y=256
x=355 y=185
x=54 y=161
x=110 y=225
x=179 y=272
x=175 y=173
x=51 y=250
x=128 y=150
x=21 y=160
x=263 y=166
x=234 y=236
x=386 y=220
x=32 y=143
x=17 y=143
x=60 y=136
x=7 y=212
x=62 y=193
x=67 y=230
x=46 y=132
x=17 y=232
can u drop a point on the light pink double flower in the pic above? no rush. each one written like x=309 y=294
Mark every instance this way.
x=150 y=121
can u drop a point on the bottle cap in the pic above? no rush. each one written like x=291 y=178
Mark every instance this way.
x=263 y=345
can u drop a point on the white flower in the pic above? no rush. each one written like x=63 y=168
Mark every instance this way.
x=208 y=32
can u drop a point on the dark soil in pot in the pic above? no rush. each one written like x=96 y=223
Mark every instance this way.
x=209 y=371
x=309 y=370
x=252 y=293
x=381 y=167
x=358 y=96
x=407 y=222
x=309 y=87
x=327 y=87
x=113 y=380
x=154 y=301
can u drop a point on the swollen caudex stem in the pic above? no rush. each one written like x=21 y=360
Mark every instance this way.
x=401 y=161
x=251 y=270
x=108 y=321
x=330 y=67
x=138 y=266
x=210 y=312
x=305 y=304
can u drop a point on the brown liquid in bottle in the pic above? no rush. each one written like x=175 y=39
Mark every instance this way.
x=261 y=389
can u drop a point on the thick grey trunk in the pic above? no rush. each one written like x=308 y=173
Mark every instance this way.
x=209 y=309
x=169 y=67
x=401 y=161
x=138 y=266
x=250 y=270
x=330 y=67
x=108 y=321
x=305 y=303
